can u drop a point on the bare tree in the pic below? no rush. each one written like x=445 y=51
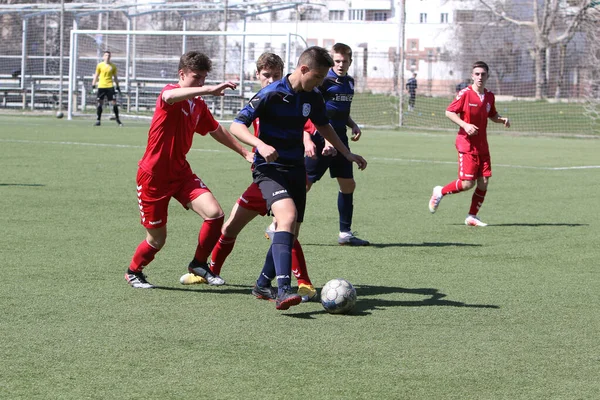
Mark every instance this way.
x=553 y=22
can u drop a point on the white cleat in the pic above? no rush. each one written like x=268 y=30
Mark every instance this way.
x=472 y=220
x=436 y=197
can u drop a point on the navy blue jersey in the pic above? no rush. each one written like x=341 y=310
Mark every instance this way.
x=338 y=92
x=282 y=114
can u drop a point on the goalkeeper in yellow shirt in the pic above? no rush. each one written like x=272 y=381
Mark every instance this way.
x=106 y=73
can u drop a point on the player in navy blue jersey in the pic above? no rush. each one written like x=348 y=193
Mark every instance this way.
x=283 y=108
x=338 y=91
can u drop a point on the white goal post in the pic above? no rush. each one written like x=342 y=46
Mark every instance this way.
x=146 y=60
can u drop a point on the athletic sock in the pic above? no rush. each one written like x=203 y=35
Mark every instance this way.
x=345 y=209
x=116 y=111
x=299 y=265
x=268 y=272
x=99 y=112
x=282 y=258
x=453 y=187
x=477 y=201
x=142 y=256
x=220 y=253
x=208 y=237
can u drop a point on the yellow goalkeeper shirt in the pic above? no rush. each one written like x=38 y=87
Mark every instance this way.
x=105 y=74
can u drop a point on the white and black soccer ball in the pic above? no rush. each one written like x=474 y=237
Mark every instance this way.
x=59 y=115
x=338 y=296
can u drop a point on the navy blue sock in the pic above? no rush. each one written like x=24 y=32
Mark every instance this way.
x=346 y=209
x=268 y=272
x=282 y=256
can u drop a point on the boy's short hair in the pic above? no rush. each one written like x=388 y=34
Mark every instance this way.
x=107 y=51
x=195 y=61
x=481 y=64
x=315 y=57
x=342 y=48
x=270 y=61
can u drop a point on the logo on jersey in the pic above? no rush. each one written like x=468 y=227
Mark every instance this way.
x=473 y=105
x=305 y=110
x=488 y=107
x=351 y=84
x=343 y=97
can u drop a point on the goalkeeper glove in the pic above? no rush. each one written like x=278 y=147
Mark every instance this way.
x=118 y=89
x=93 y=91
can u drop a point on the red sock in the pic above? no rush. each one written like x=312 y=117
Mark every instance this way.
x=208 y=237
x=220 y=252
x=453 y=187
x=142 y=256
x=299 y=265
x=477 y=201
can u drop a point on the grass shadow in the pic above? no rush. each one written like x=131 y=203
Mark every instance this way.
x=365 y=305
x=385 y=245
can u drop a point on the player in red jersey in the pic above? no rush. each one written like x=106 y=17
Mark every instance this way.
x=470 y=110
x=165 y=173
x=269 y=68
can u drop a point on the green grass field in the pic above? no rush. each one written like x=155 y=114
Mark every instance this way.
x=444 y=311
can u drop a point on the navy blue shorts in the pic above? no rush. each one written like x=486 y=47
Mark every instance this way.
x=282 y=182
x=338 y=165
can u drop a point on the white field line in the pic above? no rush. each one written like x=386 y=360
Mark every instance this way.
x=405 y=160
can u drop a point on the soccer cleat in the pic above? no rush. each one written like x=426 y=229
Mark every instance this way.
x=191 y=279
x=473 y=220
x=307 y=292
x=138 y=280
x=436 y=197
x=202 y=270
x=264 y=293
x=286 y=300
x=348 y=239
x=270 y=231
x=119 y=122
x=97 y=123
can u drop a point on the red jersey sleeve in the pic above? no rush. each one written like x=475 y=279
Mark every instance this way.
x=457 y=105
x=310 y=127
x=492 y=112
x=206 y=122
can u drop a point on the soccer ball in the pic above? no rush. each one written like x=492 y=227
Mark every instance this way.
x=338 y=296
x=59 y=115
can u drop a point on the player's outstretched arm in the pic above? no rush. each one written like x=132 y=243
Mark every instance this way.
x=222 y=136
x=179 y=94
x=501 y=120
x=329 y=133
x=241 y=132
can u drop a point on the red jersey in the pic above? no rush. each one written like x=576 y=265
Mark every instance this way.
x=474 y=110
x=171 y=134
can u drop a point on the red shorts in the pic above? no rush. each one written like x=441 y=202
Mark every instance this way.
x=154 y=196
x=252 y=199
x=472 y=166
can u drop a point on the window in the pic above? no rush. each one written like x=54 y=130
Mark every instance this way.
x=413 y=45
x=423 y=18
x=357 y=15
x=328 y=43
x=380 y=16
x=444 y=18
x=312 y=42
x=336 y=15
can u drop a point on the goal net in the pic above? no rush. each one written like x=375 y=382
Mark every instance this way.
x=147 y=60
